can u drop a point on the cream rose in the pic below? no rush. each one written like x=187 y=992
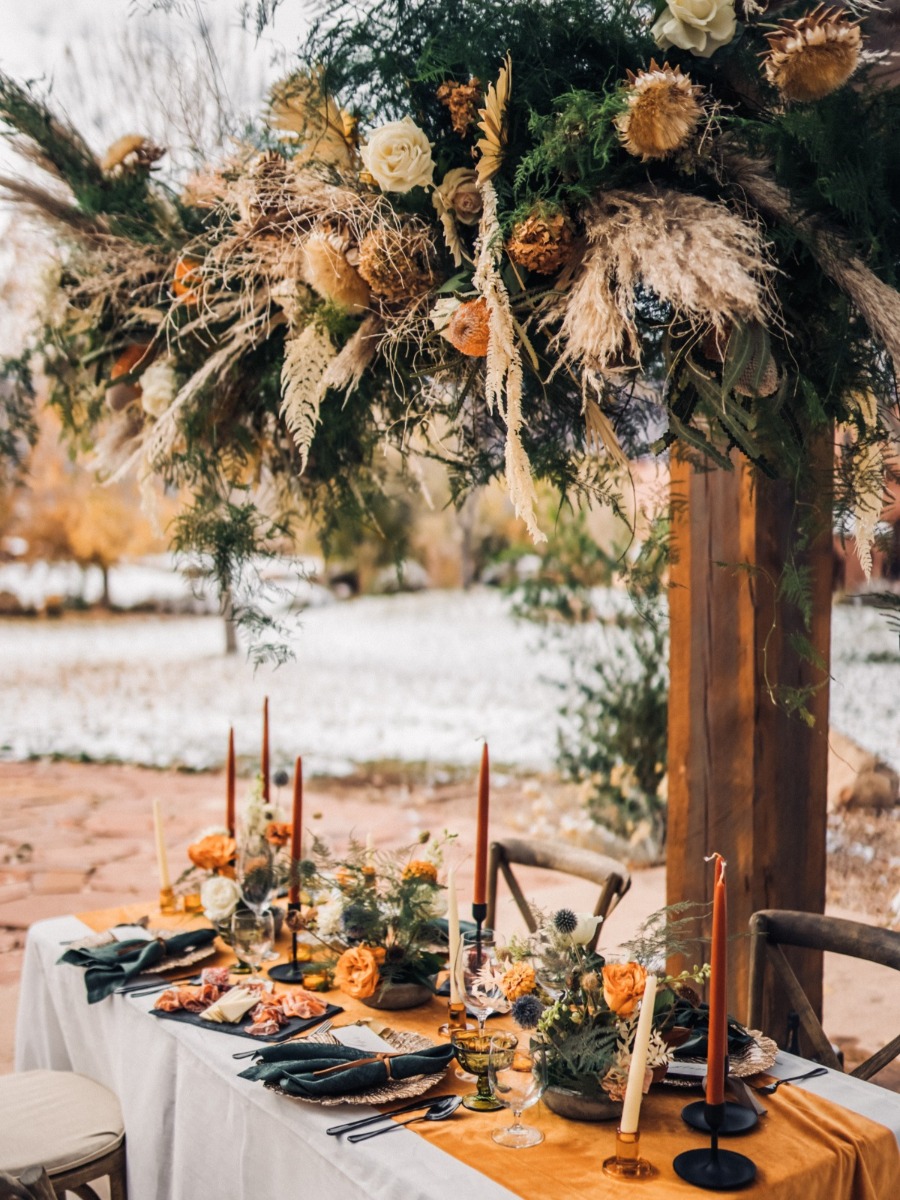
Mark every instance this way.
x=459 y=194
x=585 y=929
x=398 y=156
x=219 y=896
x=701 y=26
x=158 y=387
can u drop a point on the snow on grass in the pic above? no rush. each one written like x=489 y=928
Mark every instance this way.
x=417 y=678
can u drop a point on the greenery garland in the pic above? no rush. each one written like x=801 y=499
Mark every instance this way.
x=527 y=238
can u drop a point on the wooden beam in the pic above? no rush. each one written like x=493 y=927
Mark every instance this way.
x=745 y=778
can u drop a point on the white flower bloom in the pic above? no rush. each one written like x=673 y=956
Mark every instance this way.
x=701 y=26
x=329 y=920
x=219 y=896
x=398 y=156
x=584 y=930
x=158 y=387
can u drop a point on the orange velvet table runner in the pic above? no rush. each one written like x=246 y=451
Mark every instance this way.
x=806 y=1148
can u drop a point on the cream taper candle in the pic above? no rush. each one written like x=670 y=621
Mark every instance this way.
x=162 y=860
x=453 y=936
x=634 y=1091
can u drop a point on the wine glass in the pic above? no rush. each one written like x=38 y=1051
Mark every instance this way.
x=256 y=871
x=252 y=935
x=481 y=975
x=518 y=1083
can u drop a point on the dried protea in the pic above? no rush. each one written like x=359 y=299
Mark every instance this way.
x=133 y=152
x=544 y=242
x=463 y=101
x=813 y=56
x=469 y=328
x=398 y=263
x=663 y=111
x=328 y=270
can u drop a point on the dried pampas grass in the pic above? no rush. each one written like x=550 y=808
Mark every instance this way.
x=696 y=255
x=328 y=271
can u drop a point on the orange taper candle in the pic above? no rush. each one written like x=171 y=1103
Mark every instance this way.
x=264 y=761
x=296 y=833
x=717 y=1044
x=229 y=785
x=481 y=833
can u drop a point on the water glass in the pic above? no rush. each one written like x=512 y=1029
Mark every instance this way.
x=252 y=936
x=517 y=1083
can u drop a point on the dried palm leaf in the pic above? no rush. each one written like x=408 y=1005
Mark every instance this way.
x=492 y=123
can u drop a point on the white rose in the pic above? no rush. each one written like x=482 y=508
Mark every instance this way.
x=219 y=896
x=398 y=156
x=584 y=930
x=158 y=387
x=701 y=26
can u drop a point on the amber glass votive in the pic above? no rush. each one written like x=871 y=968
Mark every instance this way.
x=627 y=1163
x=167 y=904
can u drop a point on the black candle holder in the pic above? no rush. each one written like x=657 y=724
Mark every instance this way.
x=713 y=1169
x=289 y=972
x=736 y=1118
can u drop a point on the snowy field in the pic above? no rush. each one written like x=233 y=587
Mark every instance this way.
x=414 y=677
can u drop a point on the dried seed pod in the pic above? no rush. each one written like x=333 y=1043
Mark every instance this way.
x=663 y=111
x=813 y=56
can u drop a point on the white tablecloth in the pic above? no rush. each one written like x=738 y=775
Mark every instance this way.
x=195 y=1129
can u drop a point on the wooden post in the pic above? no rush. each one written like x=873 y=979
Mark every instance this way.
x=745 y=778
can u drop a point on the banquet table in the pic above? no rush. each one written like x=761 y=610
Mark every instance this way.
x=193 y=1127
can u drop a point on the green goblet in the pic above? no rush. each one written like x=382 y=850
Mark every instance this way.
x=475 y=1051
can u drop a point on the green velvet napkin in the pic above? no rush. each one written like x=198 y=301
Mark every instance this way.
x=292 y=1066
x=696 y=1018
x=108 y=967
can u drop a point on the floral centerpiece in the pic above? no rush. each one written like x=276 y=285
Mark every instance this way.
x=379 y=913
x=585 y=1007
x=213 y=856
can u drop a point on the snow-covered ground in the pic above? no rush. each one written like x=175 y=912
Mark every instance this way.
x=416 y=678
x=419 y=677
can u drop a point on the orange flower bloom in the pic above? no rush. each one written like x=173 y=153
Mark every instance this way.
x=518 y=981
x=357 y=971
x=278 y=833
x=420 y=869
x=213 y=853
x=623 y=986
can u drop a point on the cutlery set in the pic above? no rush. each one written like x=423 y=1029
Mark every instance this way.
x=438 y=1108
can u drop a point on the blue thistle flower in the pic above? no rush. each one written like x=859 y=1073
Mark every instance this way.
x=527 y=1011
x=565 y=921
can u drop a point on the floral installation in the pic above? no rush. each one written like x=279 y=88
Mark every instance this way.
x=586 y=1007
x=469 y=233
x=377 y=912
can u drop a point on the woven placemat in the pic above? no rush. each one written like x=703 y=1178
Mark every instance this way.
x=396 y=1089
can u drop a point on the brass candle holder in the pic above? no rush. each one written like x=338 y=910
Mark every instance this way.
x=167 y=905
x=457 y=1020
x=627 y=1163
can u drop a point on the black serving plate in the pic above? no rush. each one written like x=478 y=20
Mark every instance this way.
x=295 y=1024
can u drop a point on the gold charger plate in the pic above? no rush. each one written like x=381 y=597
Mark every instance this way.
x=758 y=1056
x=171 y=963
x=396 y=1089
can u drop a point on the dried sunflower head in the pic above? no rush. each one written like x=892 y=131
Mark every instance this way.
x=813 y=56
x=663 y=111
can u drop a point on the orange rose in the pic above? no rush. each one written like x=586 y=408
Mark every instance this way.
x=518 y=981
x=357 y=971
x=213 y=853
x=623 y=986
x=278 y=833
x=420 y=869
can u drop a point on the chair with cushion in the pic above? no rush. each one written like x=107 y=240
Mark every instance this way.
x=770 y=929
x=612 y=877
x=68 y=1124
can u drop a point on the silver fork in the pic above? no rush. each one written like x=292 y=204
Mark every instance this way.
x=304 y=1033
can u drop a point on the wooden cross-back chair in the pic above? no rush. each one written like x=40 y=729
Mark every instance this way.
x=612 y=877
x=771 y=929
